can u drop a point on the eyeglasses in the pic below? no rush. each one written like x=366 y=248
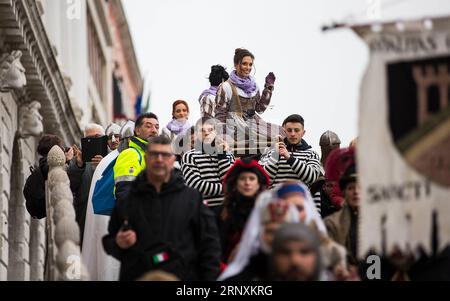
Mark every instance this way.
x=155 y=155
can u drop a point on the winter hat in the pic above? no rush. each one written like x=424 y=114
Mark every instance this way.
x=290 y=188
x=113 y=129
x=246 y=165
x=341 y=167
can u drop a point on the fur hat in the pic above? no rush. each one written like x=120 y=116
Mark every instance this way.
x=246 y=165
x=341 y=167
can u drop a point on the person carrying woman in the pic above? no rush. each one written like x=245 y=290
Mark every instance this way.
x=239 y=102
x=207 y=99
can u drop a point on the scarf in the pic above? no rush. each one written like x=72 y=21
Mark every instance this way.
x=248 y=84
x=177 y=127
x=211 y=91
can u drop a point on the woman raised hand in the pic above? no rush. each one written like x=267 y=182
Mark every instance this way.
x=270 y=79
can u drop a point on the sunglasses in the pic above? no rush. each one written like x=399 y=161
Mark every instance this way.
x=155 y=155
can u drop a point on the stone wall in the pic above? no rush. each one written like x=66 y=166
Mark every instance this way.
x=22 y=240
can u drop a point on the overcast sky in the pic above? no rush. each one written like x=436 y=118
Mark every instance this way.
x=318 y=74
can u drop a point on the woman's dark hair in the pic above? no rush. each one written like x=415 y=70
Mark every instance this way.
x=239 y=55
x=218 y=75
x=47 y=142
x=231 y=178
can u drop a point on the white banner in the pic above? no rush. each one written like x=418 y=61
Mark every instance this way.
x=404 y=144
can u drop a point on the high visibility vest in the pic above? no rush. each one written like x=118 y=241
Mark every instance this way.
x=130 y=162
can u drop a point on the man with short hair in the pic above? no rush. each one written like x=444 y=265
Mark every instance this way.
x=163 y=224
x=130 y=162
x=296 y=255
x=80 y=175
x=292 y=159
x=205 y=167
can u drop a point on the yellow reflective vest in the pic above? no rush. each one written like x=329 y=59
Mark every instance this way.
x=130 y=162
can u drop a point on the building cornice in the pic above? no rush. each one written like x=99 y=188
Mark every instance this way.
x=25 y=31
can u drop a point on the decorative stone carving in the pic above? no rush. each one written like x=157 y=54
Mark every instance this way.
x=67 y=229
x=63 y=208
x=69 y=263
x=77 y=110
x=30 y=120
x=58 y=177
x=60 y=192
x=56 y=157
x=69 y=250
x=12 y=72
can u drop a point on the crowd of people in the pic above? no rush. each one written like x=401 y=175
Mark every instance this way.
x=193 y=201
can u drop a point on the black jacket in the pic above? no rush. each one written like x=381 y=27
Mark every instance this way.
x=174 y=221
x=302 y=146
x=34 y=190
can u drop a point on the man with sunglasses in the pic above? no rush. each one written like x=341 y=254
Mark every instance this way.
x=163 y=224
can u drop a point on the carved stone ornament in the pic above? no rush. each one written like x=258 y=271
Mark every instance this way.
x=30 y=120
x=56 y=157
x=12 y=72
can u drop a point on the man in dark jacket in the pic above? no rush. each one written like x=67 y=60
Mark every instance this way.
x=80 y=174
x=163 y=224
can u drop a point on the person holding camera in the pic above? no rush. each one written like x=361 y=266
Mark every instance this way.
x=292 y=159
x=205 y=166
x=163 y=224
x=80 y=175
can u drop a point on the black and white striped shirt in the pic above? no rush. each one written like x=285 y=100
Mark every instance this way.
x=318 y=201
x=303 y=165
x=205 y=173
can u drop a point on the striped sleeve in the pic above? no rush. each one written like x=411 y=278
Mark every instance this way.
x=308 y=170
x=207 y=106
x=225 y=164
x=318 y=201
x=222 y=101
x=270 y=164
x=193 y=179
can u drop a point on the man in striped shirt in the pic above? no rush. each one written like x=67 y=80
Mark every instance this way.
x=292 y=159
x=205 y=166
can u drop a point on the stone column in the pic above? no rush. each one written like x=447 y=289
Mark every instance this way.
x=24 y=156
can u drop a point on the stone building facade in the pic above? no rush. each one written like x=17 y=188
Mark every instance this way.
x=58 y=59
